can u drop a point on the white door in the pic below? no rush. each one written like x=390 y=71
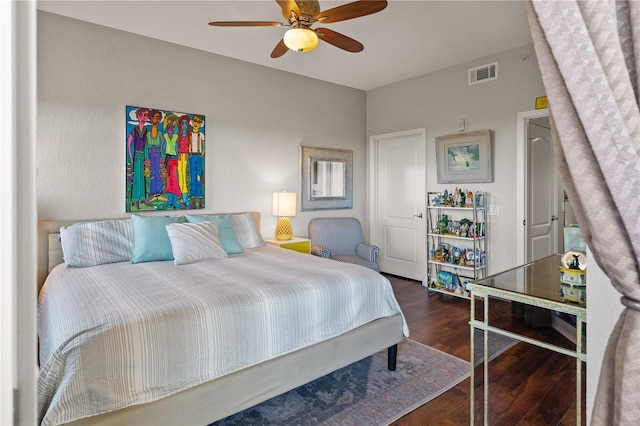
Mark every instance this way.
x=542 y=217
x=540 y=192
x=397 y=201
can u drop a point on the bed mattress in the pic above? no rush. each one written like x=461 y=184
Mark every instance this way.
x=117 y=335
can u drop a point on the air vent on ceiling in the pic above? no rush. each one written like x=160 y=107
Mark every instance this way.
x=483 y=73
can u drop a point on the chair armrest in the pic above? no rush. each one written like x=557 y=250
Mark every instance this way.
x=321 y=251
x=368 y=252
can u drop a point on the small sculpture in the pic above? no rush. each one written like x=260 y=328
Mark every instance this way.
x=465 y=225
x=469 y=199
x=575 y=262
x=456 y=197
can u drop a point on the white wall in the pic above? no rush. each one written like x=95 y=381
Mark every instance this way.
x=8 y=379
x=438 y=99
x=256 y=119
x=18 y=357
x=603 y=312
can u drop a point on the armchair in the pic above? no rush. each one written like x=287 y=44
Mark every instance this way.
x=340 y=238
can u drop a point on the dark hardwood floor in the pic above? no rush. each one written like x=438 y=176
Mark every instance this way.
x=528 y=385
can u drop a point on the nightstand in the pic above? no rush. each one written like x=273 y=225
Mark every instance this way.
x=303 y=245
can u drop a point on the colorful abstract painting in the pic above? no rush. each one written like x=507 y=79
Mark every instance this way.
x=164 y=160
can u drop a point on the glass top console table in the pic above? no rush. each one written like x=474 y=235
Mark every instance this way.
x=536 y=284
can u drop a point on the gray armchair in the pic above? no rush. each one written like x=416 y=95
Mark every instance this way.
x=340 y=238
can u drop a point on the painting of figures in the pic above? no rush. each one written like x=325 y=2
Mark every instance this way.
x=164 y=160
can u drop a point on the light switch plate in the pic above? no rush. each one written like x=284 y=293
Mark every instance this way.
x=462 y=124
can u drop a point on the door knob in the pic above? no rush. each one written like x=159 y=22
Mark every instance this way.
x=554 y=217
x=418 y=215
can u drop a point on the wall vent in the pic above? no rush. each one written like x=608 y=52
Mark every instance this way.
x=483 y=73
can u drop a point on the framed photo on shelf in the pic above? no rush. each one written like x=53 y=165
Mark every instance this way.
x=464 y=157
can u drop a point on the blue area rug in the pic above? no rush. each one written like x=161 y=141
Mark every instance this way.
x=366 y=392
x=363 y=393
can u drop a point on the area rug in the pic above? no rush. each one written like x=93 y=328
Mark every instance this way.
x=363 y=393
x=366 y=392
x=498 y=344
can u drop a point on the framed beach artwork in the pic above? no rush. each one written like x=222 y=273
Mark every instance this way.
x=464 y=157
x=164 y=160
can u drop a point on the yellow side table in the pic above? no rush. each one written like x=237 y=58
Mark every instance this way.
x=302 y=245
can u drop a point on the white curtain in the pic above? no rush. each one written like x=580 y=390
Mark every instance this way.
x=589 y=57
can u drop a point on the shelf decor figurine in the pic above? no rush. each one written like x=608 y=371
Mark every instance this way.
x=469 y=200
x=573 y=277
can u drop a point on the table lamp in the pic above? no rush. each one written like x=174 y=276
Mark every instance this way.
x=284 y=206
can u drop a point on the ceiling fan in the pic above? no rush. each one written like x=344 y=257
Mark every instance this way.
x=302 y=14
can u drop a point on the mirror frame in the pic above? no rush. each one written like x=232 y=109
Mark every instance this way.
x=307 y=202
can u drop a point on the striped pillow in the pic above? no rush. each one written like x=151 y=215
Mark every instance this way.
x=192 y=242
x=246 y=231
x=96 y=243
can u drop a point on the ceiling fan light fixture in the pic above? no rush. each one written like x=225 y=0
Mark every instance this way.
x=301 y=39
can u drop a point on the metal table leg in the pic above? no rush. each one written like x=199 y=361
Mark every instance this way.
x=486 y=360
x=473 y=351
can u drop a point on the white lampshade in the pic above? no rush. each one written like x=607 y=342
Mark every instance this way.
x=284 y=204
x=301 y=39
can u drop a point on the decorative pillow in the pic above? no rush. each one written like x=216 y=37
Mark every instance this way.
x=246 y=231
x=150 y=239
x=96 y=243
x=226 y=233
x=192 y=242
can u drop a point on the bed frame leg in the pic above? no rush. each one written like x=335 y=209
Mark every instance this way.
x=393 y=356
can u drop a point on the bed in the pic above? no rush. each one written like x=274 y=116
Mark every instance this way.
x=165 y=358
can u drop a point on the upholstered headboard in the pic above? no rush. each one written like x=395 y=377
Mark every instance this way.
x=50 y=248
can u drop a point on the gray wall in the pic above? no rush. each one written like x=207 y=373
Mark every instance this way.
x=436 y=100
x=87 y=74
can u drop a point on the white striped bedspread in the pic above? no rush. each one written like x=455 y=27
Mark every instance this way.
x=122 y=334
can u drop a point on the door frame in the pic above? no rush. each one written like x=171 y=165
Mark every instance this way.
x=522 y=180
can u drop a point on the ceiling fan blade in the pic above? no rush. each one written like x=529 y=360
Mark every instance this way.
x=279 y=50
x=350 y=11
x=245 y=24
x=287 y=7
x=339 y=40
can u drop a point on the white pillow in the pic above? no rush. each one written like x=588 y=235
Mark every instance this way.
x=192 y=242
x=96 y=243
x=246 y=231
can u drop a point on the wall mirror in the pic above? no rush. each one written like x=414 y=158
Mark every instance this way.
x=326 y=178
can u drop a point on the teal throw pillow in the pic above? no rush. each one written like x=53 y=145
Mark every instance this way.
x=226 y=232
x=150 y=238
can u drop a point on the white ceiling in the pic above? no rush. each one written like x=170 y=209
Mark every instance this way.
x=407 y=39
